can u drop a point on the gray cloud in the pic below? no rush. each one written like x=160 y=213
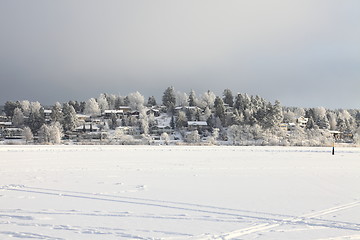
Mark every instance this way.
x=304 y=53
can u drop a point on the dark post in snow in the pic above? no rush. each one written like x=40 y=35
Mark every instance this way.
x=333 y=148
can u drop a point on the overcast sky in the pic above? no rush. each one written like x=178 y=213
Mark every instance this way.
x=301 y=52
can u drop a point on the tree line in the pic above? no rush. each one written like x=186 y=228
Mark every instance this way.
x=241 y=119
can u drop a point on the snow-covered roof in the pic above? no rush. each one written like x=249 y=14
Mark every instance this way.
x=82 y=115
x=113 y=111
x=197 y=123
x=87 y=127
x=6 y=123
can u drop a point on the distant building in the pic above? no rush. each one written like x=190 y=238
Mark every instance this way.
x=87 y=127
x=197 y=125
x=109 y=113
x=302 y=121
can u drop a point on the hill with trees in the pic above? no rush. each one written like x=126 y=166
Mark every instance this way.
x=180 y=118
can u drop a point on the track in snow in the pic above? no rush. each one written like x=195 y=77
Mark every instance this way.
x=267 y=220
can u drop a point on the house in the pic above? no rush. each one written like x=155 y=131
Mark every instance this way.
x=47 y=115
x=109 y=113
x=154 y=111
x=87 y=127
x=302 y=121
x=125 y=109
x=291 y=126
x=13 y=133
x=4 y=125
x=127 y=130
x=187 y=108
x=83 y=117
x=161 y=129
x=287 y=126
x=197 y=125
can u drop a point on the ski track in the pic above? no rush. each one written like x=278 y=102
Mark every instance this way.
x=267 y=220
x=305 y=219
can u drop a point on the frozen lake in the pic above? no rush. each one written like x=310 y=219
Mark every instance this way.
x=179 y=192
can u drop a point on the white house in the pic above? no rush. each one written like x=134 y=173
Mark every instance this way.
x=302 y=121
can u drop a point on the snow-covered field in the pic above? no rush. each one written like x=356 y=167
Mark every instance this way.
x=167 y=192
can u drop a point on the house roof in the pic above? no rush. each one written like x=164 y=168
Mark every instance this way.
x=197 y=123
x=113 y=111
x=87 y=127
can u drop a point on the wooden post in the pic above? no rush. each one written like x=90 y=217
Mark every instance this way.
x=333 y=148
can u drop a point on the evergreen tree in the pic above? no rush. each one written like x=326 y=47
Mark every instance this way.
x=169 y=99
x=228 y=97
x=219 y=109
x=192 y=98
x=10 y=107
x=151 y=101
x=36 y=119
x=69 y=119
x=119 y=101
x=172 y=122
x=56 y=114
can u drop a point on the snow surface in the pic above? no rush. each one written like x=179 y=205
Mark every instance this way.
x=179 y=192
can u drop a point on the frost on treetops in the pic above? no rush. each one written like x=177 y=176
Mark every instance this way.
x=179 y=118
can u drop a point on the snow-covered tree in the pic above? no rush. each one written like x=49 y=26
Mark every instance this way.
x=18 y=118
x=92 y=107
x=228 y=97
x=55 y=133
x=192 y=99
x=181 y=120
x=111 y=100
x=9 y=108
x=151 y=101
x=123 y=138
x=214 y=136
x=219 y=109
x=144 y=123
x=35 y=107
x=102 y=102
x=274 y=115
x=193 y=137
x=165 y=138
x=169 y=99
x=234 y=134
x=208 y=100
x=36 y=117
x=27 y=134
x=25 y=107
x=206 y=115
x=69 y=119
x=44 y=134
x=332 y=120
x=136 y=101
x=182 y=99
x=56 y=112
